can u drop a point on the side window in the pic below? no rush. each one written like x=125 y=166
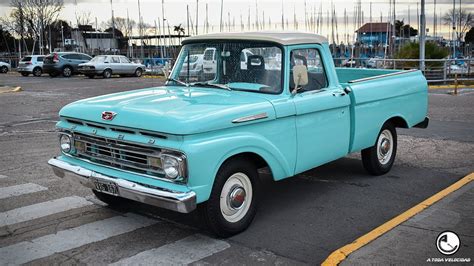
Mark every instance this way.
x=208 y=55
x=115 y=59
x=311 y=58
x=40 y=58
x=85 y=57
x=68 y=56
x=124 y=60
x=76 y=57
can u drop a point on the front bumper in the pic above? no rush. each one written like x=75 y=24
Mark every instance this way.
x=183 y=202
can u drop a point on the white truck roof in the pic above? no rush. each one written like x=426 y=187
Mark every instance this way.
x=281 y=37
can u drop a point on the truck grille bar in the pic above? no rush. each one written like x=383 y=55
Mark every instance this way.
x=118 y=154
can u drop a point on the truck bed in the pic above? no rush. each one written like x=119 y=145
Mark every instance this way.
x=379 y=94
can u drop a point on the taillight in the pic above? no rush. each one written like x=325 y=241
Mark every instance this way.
x=55 y=58
x=28 y=63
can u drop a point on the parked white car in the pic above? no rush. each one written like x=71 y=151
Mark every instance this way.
x=4 y=67
x=209 y=61
x=32 y=64
x=108 y=65
x=195 y=66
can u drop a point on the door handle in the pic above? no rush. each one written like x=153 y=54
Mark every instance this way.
x=338 y=94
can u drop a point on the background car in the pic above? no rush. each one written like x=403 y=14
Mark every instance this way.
x=32 y=64
x=4 y=67
x=108 y=65
x=195 y=66
x=65 y=63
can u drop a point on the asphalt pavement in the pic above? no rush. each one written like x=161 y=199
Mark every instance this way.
x=301 y=220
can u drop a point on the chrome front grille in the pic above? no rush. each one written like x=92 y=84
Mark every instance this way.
x=119 y=154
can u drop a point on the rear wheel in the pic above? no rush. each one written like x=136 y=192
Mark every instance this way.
x=109 y=199
x=107 y=73
x=4 y=69
x=138 y=72
x=232 y=204
x=67 y=71
x=24 y=74
x=37 y=71
x=378 y=159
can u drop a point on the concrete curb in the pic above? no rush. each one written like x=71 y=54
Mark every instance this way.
x=341 y=254
x=6 y=89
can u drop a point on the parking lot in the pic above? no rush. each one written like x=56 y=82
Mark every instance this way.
x=300 y=220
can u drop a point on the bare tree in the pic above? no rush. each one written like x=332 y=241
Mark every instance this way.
x=32 y=17
x=122 y=25
x=84 y=18
x=464 y=21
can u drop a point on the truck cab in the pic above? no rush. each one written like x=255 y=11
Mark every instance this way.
x=202 y=141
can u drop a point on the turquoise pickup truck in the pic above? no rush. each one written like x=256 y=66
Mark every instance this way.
x=201 y=139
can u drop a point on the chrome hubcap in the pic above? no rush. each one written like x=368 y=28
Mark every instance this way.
x=385 y=147
x=236 y=197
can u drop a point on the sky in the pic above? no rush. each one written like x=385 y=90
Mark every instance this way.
x=175 y=11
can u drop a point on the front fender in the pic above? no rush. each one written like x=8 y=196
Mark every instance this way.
x=207 y=152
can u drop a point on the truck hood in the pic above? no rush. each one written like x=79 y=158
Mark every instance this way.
x=173 y=110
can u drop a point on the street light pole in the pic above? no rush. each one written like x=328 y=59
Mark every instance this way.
x=422 y=35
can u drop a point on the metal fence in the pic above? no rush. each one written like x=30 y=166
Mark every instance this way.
x=436 y=70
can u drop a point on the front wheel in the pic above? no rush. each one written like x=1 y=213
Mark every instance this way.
x=232 y=204
x=67 y=72
x=37 y=72
x=138 y=72
x=107 y=74
x=378 y=159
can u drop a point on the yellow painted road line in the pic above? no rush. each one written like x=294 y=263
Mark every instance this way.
x=10 y=89
x=341 y=254
x=444 y=87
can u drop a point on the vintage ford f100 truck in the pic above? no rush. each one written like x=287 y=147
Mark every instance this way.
x=200 y=139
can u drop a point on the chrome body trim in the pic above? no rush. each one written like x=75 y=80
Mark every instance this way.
x=250 y=118
x=183 y=202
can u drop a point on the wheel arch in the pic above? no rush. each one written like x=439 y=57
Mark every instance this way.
x=398 y=121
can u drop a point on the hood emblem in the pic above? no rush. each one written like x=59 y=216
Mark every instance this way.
x=108 y=115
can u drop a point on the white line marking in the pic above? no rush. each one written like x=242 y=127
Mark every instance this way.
x=7 y=192
x=181 y=252
x=42 y=209
x=3 y=176
x=48 y=245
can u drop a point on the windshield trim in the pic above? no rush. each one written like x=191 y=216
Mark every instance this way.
x=212 y=41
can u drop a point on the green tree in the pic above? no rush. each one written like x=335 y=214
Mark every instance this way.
x=412 y=51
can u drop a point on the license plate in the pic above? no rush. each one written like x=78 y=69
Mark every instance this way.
x=106 y=187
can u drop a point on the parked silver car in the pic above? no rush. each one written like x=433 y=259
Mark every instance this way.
x=108 y=65
x=4 y=67
x=31 y=64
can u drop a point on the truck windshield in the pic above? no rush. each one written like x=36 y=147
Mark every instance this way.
x=237 y=65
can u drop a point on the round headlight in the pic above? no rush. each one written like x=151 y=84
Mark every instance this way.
x=65 y=143
x=171 y=167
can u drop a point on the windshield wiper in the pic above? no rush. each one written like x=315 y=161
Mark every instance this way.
x=178 y=81
x=207 y=84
